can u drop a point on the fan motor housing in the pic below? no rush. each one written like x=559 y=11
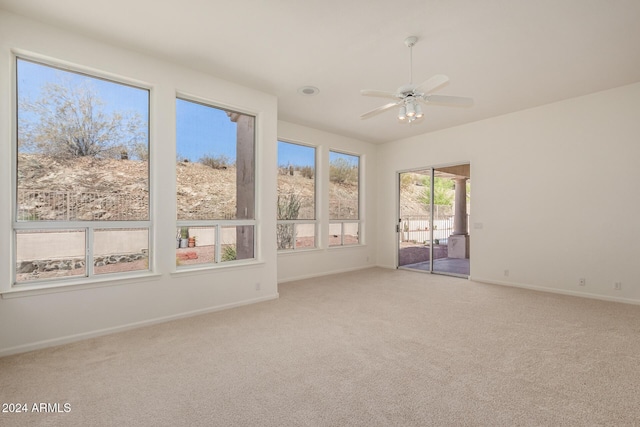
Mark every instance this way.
x=406 y=90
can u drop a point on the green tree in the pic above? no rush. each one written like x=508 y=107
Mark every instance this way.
x=70 y=121
x=443 y=191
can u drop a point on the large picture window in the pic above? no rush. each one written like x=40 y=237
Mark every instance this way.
x=215 y=174
x=344 y=199
x=296 y=228
x=82 y=175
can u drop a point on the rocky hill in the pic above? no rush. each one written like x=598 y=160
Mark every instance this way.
x=87 y=188
x=82 y=188
x=112 y=189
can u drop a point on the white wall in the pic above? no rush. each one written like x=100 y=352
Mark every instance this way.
x=32 y=321
x=309 y=263
x=555 y=189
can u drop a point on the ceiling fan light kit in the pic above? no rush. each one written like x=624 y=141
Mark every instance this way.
x=409 y=97
x=410 y=112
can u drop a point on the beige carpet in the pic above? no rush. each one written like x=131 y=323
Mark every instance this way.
x=370 y=348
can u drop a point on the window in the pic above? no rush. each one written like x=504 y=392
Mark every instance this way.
x=344 y=199
x=215 y=172
x=296 y=228
x=82 y=175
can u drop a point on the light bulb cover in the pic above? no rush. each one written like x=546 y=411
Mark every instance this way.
x=402 y=114
x=419 y=112
x=411 y=110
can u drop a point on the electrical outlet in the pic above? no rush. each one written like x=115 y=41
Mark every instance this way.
x=582 y=281
x=617 y=286
x=258 y=286
x=506 y=273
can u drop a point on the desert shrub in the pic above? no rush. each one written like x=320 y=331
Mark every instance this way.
x=229 y=253
x=215 y=162
x=283 y=170
x=343 y=172
x=140 y=151
x=307 y=172
x=72 y=120
x=284 y=235
x=406 y=180
x=288 y=208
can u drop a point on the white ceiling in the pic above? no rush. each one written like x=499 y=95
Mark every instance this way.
x=508 y=55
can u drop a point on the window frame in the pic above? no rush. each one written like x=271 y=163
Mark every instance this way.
x=89 y=226
x=218 y=224
x=343 y=221
x=295 y=222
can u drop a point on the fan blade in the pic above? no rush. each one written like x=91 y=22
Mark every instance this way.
x=453 y=101
x=434 y=83
x=378 y=93
x=380 y=109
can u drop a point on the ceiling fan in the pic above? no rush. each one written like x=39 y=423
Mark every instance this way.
x=409 y=97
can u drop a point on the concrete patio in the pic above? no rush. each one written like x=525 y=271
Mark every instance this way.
x=457 y=266
x=416 y=257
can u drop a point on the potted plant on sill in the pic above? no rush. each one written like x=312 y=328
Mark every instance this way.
x=184 y=237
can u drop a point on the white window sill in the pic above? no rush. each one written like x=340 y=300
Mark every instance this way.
x=357 y=245
x=298 y=251
x=306 y=251
x=208 y=268
x=27 y=290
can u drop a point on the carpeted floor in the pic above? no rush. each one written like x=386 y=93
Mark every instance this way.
x=370 y=348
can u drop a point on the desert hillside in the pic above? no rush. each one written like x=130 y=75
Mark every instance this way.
x=114 y=189
x=82 y=188
x=87 y=188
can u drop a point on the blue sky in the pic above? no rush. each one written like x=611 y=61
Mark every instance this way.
x=200 y=129
x=350 y=159
x=295 y=154
x=301 y=155
x=203 y=130
x=32 y=77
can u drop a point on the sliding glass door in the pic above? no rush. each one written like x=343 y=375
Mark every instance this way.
x=414 y=220
x=432 y=228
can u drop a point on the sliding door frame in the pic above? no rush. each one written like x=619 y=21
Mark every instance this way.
x=431 y=174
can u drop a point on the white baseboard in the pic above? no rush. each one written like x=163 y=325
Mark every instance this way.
x=106 y=331
x=557 y=291
x=390 y=267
